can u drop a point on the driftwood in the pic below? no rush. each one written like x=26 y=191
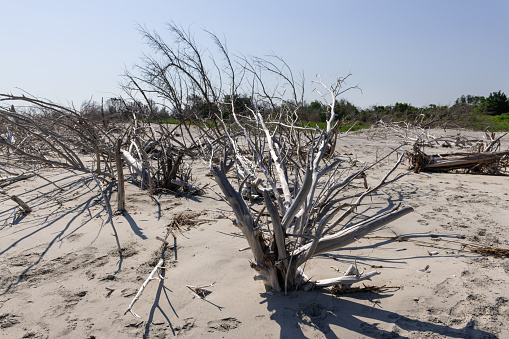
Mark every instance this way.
x=187 y=187
x=120 y=178
x=24 y=206
x=55 y=137
x=17 y=200
x=200 y=291
x=59 y=136
x=351 y=276
x=416 y=134
x=366 y=288
x=290 y=170
x=135 y=166
x=484 y=162
x=152 y=276
x=159 y=269
x=304 y=219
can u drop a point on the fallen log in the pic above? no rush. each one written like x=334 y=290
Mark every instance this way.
x=24 y=206
x=483 y=162
x=21 y=203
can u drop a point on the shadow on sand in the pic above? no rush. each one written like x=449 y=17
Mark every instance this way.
x=301 y=314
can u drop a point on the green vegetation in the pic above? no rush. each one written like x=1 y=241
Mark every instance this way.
x=493 y=123
x=469 y=111
x=495 y=104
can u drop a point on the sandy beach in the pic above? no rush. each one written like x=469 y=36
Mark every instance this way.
x=61 y=277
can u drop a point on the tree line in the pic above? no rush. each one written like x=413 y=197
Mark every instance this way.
x=117 y=109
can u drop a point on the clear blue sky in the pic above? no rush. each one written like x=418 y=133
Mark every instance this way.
x=419 y=52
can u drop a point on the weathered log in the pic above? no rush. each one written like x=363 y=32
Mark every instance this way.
x=484 y=162
x=134 y=165
x=24 y=206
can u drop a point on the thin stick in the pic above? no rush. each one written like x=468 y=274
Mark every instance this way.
x=51 y=182
x=158 y=267
x=16 y=177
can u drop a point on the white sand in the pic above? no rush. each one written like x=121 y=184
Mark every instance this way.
x=56 y=263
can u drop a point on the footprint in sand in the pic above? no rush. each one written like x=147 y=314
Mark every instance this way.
x=223 y=325
x=8 y=320
x=188 y=325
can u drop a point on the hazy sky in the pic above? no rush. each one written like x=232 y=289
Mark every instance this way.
x=420 y=52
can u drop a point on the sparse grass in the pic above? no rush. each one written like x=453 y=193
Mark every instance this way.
x=493 y=123
x=499 y=122
x=322 y=125
x=343 y=128
x=170 y=121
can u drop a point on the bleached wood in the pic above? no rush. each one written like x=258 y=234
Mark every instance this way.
x=134 y=165
x=24 y=206
x=345 y=280
x=263 y=139
x=16 y=177
x=151 y=276
x=349 y=235
x=120 y=178
x=186 y=185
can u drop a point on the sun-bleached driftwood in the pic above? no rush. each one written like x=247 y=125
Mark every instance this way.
x=484 y=162
x=345 y=280
x=152 y=276
x=159 y=269
x=187 y=186
x=494 y=144
x=24 y=206
x=26 y=209
x=351 y=276
x=304 y=183
x=120 y=178
x=56 y=137
x=134 y=165
x=416 y=134
x=296 y=210
x=349 y=235
x=200 y=291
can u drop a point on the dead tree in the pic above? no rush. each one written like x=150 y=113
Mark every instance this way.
x=301 y=197
x=273 y=156
x=58 y=136
x=55 y=136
